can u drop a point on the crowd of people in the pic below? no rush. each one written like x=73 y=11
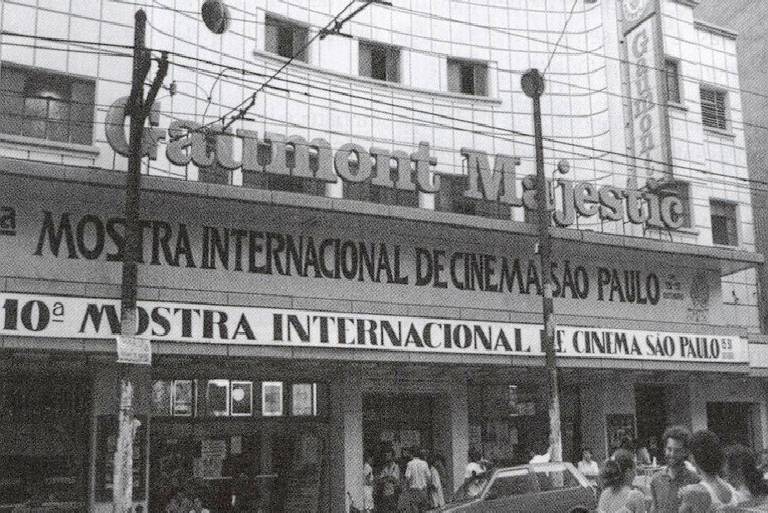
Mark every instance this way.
x=700 y=476
x=416 y=488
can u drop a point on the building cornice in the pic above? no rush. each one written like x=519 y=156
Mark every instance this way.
x=715 y=29
x=688 y=3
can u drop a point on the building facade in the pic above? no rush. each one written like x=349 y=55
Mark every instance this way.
x=350 y=266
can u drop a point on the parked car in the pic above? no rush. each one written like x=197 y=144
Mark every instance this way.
x=537 y=488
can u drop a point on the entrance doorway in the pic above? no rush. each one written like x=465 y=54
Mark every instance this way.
x=732 y=422
x=651 y=412
x=396 y=422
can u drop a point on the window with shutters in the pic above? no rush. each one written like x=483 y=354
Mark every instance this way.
x=467 y=77
x=713 y=108
x=672 y=69
x=380 y=62
x=285 y=38
x=724 y=228
x=45 y=105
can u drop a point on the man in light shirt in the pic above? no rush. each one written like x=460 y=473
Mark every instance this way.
x=588 y=467
x=417 y=479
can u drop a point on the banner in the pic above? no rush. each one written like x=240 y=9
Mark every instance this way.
x=82 y=318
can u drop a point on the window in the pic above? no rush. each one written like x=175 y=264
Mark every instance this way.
x=683 y=191
x=517 y=482
x=381 y=62
x=723 y=216
x=713 y=114
x=285 y=38
x=49 y=106
x=467 y=77
x=671 y=67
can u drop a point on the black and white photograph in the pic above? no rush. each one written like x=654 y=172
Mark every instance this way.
x=383 y=256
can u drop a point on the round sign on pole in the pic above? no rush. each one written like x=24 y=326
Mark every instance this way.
x=215 y=15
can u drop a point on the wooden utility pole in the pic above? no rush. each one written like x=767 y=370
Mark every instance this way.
x=138 y=109
x=533 y=86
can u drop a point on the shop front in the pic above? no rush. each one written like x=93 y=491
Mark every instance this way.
x=290 y=338
x=44 y=434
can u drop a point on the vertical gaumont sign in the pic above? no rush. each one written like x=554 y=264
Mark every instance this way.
x=189 y=142
x=645 y=65
x=82 y=318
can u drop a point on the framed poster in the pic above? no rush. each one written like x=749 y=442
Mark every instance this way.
x=217 y=394
x=618 y=426
x=106 y=443
x=161 y=398
x=182 y=398
x=303 y=399
x=272 y=398
x=241 y=399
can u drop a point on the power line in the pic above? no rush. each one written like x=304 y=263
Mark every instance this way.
x=549 y=139
x=560 y=37
x=252 y=100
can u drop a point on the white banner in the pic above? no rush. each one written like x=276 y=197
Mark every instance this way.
x=71 y=317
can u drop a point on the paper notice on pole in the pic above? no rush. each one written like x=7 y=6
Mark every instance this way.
x=134 y=350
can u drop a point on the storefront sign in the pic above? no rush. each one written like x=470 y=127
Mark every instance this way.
x=650 y=130
x=190 y=142
x=82 y=318
x=242 y=250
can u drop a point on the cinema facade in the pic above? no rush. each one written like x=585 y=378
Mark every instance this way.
x=339 y=281
x=330 y=327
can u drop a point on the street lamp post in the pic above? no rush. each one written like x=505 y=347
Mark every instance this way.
x=533 y=86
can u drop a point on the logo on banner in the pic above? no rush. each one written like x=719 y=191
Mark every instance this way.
x=634 y=9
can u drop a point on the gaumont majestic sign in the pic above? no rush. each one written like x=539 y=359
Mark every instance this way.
x=70 y=317
x=190 y=142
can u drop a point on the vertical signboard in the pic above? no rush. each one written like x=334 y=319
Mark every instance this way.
x=644 y=56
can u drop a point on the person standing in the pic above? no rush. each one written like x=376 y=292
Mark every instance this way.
x=618 y=495
x=417 y=479
x=474 y=468
x=707 y=456
x=389 y=479
x=666 y=485
x=741 y=472
x=437 y=499
x=588 y=467
x=368 y=484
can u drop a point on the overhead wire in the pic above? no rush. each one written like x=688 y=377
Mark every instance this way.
x=592 y=148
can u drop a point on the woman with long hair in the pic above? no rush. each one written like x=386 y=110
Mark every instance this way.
x=741 y=472
x=618 y=495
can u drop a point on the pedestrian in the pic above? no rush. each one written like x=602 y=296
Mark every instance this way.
x=368 y=483
x=741 y=472
x=389 y=483
x=642 y=455
x=588 y=467
x=437 y=499
x=618 y=495
x=708 y=458
x=541 y=458
x=666 y=485
x=415 y=496
x=763 y=463
x=443 y=472
x=474 y=468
